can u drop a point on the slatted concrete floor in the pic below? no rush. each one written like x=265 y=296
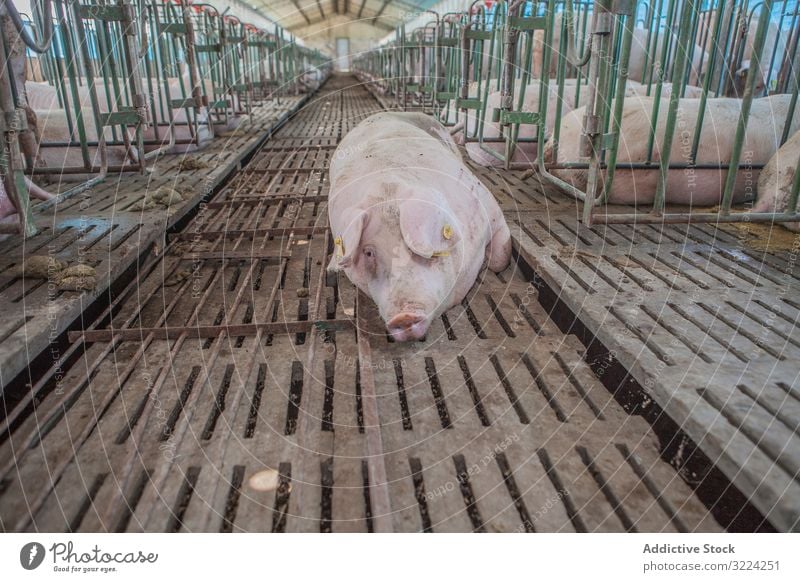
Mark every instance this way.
x=272 y=369
x=101 y=228
x=702 y=319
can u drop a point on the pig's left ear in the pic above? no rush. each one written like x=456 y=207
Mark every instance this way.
x=347 y=241
x=428 y=227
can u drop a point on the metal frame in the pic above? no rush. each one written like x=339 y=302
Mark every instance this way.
x=152 y=59
x=595 y=44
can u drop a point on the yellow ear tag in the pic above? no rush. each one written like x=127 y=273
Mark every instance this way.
x=447 y=232
x=339 y=246
x=441 y=254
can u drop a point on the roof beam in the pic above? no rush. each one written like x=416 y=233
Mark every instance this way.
x=383 y=25
x=300 y=10
x=380 y=12
x=321 y=11
x=346 y=6
x=361 y=10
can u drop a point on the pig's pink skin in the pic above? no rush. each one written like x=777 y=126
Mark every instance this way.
x=776 y=179
x=51 y=124
x=7 y=208
x=525 y=152
x=397 y=180
x=775 y=41
x=571 y=97
x=699 y=186
x=640 y=62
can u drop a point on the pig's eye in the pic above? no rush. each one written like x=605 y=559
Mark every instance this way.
x=370 y=259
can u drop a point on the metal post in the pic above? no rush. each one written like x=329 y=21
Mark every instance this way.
x=747 y=102
x=678 y=83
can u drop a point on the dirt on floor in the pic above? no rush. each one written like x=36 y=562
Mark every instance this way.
x=763 y=236
x=68 y=278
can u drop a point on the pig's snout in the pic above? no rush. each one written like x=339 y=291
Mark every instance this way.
x=408 y=325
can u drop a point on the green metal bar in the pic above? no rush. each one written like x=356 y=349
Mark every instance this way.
x=12 y=123
x=89 y=73
x=540 y=161
x=694 y=217
x=619 y=103
x=527 y=24
x=561 y=71
x=687 y=16
x=747 y=101
x=659 y=83
x=71 y=60
x=792 y=106
x=598 y=108
x=698 y=129
x=518 y=117
x=651 y=43
x=581 y=54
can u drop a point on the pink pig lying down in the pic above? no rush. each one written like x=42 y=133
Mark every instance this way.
x=412 y=224
x=684 y=185
x=776 y=180
x=574 y=95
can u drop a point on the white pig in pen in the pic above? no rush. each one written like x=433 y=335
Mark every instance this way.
x=698 y=186
x=642 y=64
x=776 y=179
x=743 y=43
x=51 y=124
x=413 y=225
x=574 y=96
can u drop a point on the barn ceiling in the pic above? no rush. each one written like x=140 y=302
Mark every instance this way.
x=382 y=15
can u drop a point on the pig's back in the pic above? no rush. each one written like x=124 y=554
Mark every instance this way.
x=763 y=133
x=393 y=139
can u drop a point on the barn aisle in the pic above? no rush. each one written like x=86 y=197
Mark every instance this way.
x=234 y=386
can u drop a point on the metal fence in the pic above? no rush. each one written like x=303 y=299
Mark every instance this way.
x=95 y=87
x=668 y=106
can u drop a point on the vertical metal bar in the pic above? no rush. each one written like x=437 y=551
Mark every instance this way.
x=619 y=103
x=80 y=33
x=10 y=155
x=747 y=101
x=698 y=129
x=513 y=135
x=687 y=15
x=652 y=43
x=596 y=108
x=666 y=34
x=792 y=106
x=566 y=25
x=794 y=195
x=721 y=77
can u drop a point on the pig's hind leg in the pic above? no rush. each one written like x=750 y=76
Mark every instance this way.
x=37 y=191
x=498 y=251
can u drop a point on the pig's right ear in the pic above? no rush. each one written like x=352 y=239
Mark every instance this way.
x=346 y=241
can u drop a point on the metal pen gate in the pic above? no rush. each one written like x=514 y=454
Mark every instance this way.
x=172 y=62
x=612 y=36
x=118 y=84
x=582 y=51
